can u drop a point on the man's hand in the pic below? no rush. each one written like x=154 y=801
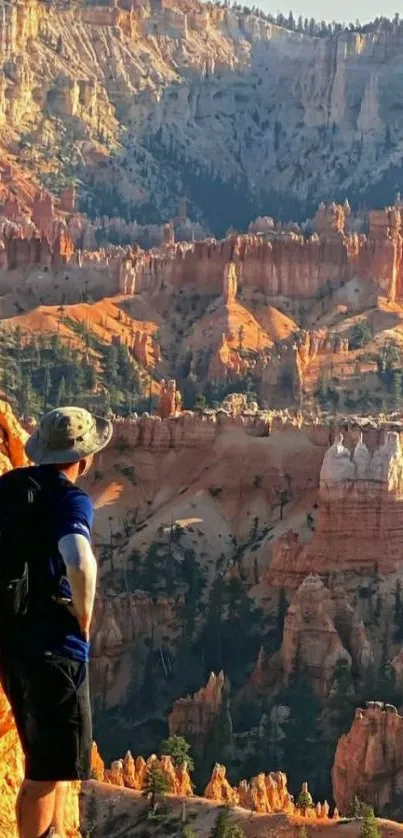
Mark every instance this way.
x=84 y=628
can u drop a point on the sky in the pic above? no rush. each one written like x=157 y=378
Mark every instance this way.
x=343 y=10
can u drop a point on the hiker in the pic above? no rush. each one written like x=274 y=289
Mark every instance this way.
x=47 y=589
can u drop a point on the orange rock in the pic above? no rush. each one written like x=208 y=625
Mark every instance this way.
x=259 y=795
x=114 y=774
x=368 y=762
x=230 y=284
x=245 y=795
x=167 y=767
x=12 y=440
x=141 y=770
x=219 y=788
x=97 y=764
x=184 y=783
x=170 y=399
x=360 y=522
x=311 y=636
x=194 y=716
x=266 y=793
x=129 y=771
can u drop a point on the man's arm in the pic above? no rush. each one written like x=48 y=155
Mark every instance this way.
x=81 y=568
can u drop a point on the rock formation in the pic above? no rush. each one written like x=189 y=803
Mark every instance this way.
x=358 y=524
x=132 y=773
x=170 y=399
x=230 y=285
x=368 y=763
x=12 y=440
x=310 y=639
x=195 y=715
x=219 y=788
x=255 y=162
x=322 y=630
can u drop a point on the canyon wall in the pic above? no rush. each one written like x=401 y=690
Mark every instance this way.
x=319 y=627
x=368 y=763
x=194 y=716
x=288 y=106
x=276 y=267
x=358 y=524
x=282 y=264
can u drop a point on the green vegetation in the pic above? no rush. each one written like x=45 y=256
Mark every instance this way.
x=41 y=372
x=223 y=828
x=156 y=786
x=177 y=748
x=304 y=801
x=360 y=335
x=369 y=826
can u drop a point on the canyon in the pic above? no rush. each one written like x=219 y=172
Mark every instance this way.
x=328 y=627
x=297 y=321
x=145 y=103
x=182 y=248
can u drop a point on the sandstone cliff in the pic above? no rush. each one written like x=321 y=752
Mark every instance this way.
x=368 y=763
x=194 y=717
x=239 y=108
x=360 y=496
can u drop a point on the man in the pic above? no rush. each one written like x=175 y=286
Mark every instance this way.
x=44 y=644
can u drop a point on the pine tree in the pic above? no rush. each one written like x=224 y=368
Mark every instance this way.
x=46 y=388
x=224 y=829
x=156 y=785
x=369 y=826
x=178 y=748
x=280 y=617
x=221 y=825
x=61 y=393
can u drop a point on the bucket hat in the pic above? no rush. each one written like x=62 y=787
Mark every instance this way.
x=66 y=435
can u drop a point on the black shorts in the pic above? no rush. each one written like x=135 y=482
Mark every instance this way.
x=50 y=700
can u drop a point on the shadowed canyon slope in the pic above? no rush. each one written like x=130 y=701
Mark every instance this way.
x=145 y=102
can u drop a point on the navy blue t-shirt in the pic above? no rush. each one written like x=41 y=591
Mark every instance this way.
x=71 y=513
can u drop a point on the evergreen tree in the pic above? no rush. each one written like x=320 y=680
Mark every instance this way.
x=302 y=744
x=221 y=825
x=223 y=828
x=339 y=711
x=177 y=748
x=369 y=826
x=61 y=393
x=46 y=388
x=156 y=785
x=280 y=617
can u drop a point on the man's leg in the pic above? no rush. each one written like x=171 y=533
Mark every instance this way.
x=60 y=809
x=35 y=808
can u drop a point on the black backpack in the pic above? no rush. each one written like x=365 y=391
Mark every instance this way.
x=24 y=539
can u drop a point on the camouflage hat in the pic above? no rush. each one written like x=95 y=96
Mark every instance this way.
x=66 y=435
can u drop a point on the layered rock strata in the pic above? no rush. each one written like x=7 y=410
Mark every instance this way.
x=321 y=632
x=195 y=715
x=358 y=526
x=368 y=763
x=280 y=266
